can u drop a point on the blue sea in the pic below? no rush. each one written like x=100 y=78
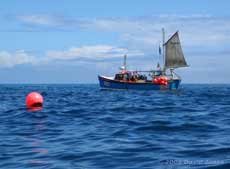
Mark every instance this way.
x=83 y=127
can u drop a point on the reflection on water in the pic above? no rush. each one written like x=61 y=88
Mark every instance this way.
x=34 y=109
x=36 y=142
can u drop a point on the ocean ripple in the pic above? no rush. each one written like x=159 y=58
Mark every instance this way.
x=81 y=126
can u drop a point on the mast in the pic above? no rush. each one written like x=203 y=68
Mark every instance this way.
x=163 y=48
x=125 y=58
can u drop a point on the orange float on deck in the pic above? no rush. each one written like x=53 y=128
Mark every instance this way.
x=33 y=100
x=161 y=80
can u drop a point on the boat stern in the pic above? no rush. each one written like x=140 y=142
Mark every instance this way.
x=174 y=84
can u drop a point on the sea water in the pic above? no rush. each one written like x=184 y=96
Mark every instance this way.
x=82 y=127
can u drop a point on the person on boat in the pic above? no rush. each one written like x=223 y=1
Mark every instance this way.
x=143 y=77
x=126 y=77
x=158 y=71
x=119 y=76
x=134 y=76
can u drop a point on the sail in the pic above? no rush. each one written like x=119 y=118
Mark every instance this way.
x=174 y=57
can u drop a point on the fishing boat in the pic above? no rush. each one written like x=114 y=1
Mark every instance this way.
x=158 y=79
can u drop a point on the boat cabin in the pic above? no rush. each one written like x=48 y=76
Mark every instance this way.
x=130 y=76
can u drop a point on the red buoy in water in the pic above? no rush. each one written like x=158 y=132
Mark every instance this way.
x=34 y=99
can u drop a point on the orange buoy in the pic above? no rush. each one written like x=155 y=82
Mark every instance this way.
x=34 y=99
x=155 y=80
x=162 y=80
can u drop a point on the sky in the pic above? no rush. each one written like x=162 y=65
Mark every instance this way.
x=74 y=41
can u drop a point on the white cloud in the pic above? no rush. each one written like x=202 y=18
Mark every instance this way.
x=39 y=20
x=84 y=53
x=144 y=32
x=10 y=59
x=93 y=52
x=52 y=21
x=200 y=34
x=46 y=20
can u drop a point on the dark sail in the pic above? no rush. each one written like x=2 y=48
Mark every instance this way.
x=174 y=57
